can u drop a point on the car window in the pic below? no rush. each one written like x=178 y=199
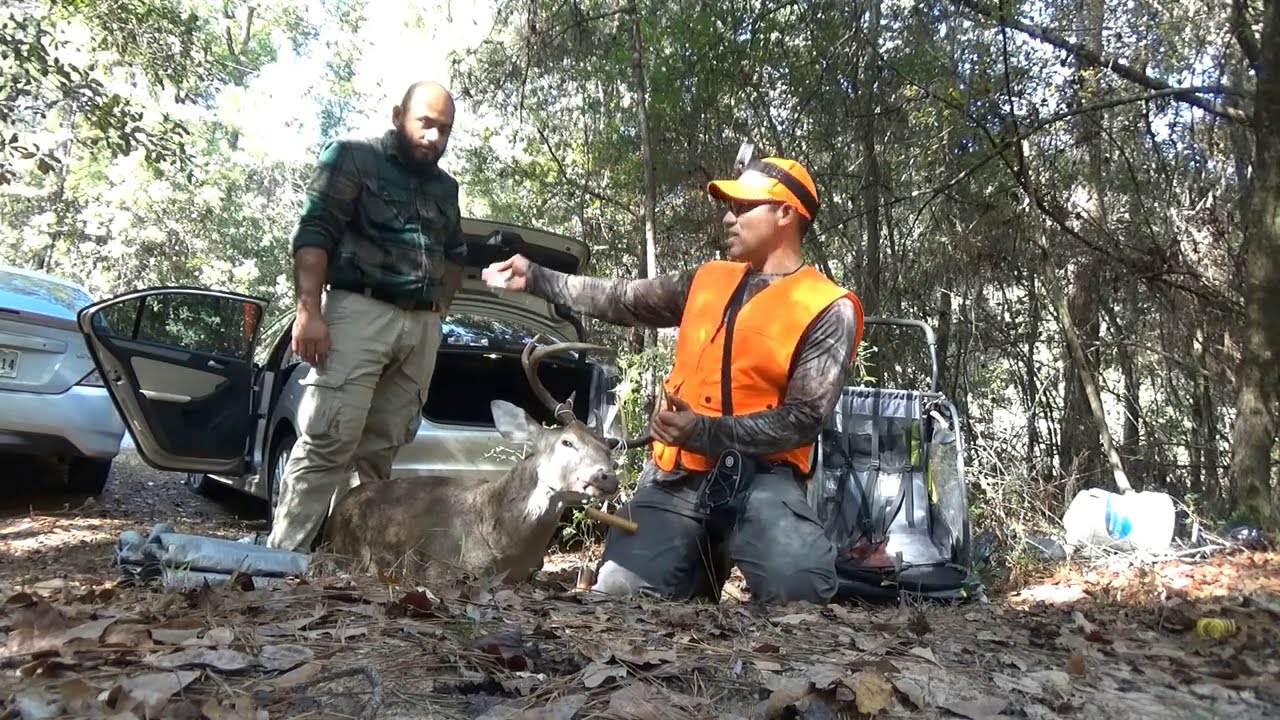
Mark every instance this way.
x=57 y=294
x=192 y=321
x=470 y=330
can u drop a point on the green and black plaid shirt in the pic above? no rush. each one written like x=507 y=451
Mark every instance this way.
x=384 y=227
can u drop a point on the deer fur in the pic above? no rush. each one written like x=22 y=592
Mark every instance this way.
x=434 y=528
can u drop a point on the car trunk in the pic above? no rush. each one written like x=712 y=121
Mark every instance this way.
x=486 y=329
x=40 y=354
x=466 y=380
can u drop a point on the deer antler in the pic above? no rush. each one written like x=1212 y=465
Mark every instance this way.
x=631 y=443
x=531 y=358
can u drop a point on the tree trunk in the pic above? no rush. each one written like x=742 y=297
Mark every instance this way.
x=1076 y=348
x=649 y=253
x=1253 y=436
x=871 y=181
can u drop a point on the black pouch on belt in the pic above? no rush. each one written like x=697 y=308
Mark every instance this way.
x=726 y=486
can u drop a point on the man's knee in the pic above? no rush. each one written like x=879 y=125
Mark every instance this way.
x=664 y=556
x=781 y=546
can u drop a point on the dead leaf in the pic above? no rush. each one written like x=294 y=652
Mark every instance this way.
x=220 y=636
x=91 y=630
x=1082 y=623
x=641 y=655
x=872 y=691
x=222 y=659
x=413 y=604
x=1076 y=664
x=284 y=657
x=150 y=692
x=126 y=635
x=596 y=673
x=338 y=634
x=79 y=697
x=562 y=709
x=37 y=704
x=796 y=619
x=38 y=628
x=923 y=652
x=506 y=646
x=981 y=709
x=912 y=689
x=791 y=691
x=767 y=666
x=766 y=649
x=243 y=708
x=508 y=600
x=182 y=636
x=296 y=676
x=825 y=676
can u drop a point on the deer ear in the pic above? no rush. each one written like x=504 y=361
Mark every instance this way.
x=513 y=423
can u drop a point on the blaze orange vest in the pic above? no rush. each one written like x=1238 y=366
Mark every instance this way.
x=765 y=335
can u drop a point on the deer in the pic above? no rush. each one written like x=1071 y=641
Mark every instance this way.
x=437 y=527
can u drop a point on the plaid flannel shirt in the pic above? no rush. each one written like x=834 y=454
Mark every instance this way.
x=383 y=226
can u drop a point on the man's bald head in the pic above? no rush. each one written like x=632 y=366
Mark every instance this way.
x=423 y=121
x=437 y=91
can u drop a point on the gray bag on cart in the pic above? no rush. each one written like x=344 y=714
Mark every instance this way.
x=889 y=487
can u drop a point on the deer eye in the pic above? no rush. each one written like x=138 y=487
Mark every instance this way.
x=567 y=442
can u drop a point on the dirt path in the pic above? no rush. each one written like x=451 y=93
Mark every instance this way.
x=1090 y=642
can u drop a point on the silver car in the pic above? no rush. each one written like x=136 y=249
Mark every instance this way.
x=200 y=400
x=52 y=401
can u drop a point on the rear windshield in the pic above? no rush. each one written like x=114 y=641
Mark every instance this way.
x=46 y=296
x=479 y=331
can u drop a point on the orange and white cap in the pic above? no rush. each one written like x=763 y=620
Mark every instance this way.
x=771 y=180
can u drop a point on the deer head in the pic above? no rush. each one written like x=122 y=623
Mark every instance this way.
x=572 y=463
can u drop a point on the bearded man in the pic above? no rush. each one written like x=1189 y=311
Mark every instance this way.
x=378 y=255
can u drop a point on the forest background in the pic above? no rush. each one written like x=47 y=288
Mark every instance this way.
x=1081 y=197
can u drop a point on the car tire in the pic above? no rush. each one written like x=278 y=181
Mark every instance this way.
x=200 y=483
x=88 y=476
x=281 y=450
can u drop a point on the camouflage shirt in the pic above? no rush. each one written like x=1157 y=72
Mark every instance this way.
x=817 y=372
x=384 y=226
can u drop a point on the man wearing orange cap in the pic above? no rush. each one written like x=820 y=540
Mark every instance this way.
x=763 y=345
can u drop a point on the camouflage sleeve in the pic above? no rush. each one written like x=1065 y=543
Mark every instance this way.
x=818 y=374
x=654 y=302
x=330 y=200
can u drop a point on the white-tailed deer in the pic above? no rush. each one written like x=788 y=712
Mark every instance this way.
x=430 y=528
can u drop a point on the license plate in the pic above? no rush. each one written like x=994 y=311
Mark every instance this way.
x=9 y=363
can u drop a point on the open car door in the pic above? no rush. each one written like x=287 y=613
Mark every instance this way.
x=178 y=363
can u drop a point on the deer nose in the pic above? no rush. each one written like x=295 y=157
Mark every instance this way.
x=605 y=480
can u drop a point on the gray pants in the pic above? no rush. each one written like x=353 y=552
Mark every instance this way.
x=777 y=542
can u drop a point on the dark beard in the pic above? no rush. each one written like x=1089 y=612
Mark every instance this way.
x=409 y=155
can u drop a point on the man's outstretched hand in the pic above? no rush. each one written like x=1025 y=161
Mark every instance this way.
x=674 y=423
x=509 y=274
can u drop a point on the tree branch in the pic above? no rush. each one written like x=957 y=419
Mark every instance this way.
x=564 y=174
x=1093 y=59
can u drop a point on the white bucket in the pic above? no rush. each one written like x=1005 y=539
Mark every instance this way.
x=1130 y=521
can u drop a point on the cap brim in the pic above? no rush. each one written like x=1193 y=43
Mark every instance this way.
x=736 y=190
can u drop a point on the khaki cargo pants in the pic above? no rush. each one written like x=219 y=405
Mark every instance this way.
x=357 y=411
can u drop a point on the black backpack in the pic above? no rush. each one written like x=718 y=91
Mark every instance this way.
x=888 y=484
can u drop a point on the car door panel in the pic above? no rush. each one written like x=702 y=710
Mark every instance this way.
x=178 y=363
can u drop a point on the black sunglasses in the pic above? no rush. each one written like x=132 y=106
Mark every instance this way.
x=742 y=207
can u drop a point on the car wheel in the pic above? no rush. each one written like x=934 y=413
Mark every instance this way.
x=279 y=461
x=88 y=476
x=200 y=483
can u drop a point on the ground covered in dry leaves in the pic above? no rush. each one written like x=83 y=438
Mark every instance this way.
x=1111 y=640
